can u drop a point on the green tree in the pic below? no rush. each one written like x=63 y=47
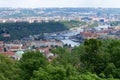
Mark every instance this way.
x=31 y=61
x=91 y=51
x=7 y=68
x=94 y=59
x=89 y=76
x=114 y=50
x=110 y=69
x=56 y=73
x=75 y=56
x=50 y=73
x=63 y=56
x=3 y=77
x=20 y=30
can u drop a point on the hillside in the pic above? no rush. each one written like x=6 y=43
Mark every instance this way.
x=73 y=23
x=24 y=29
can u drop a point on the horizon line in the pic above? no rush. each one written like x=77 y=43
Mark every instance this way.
x=55 y=7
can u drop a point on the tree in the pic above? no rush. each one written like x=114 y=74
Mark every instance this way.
x=31 y=61
x=20 y=30
x=75 y=56
x=92 y=45
x=110 y=69
x=91 y=51
x=7 y=68
x=71 y=72
x=62 y=56
x=56 y=73
x=3 y=77
x=89 y=76
x=50 y=73
x=94 y=59
x=114 y=50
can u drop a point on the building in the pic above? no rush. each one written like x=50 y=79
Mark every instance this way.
x=88 y=35
x=44 y=43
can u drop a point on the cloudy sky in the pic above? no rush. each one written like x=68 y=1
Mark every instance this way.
x=59 y=3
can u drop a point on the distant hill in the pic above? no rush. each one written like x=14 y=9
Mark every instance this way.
x=24 y=29
x=73 y=23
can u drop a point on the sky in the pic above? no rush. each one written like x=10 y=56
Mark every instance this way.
x=59 y=3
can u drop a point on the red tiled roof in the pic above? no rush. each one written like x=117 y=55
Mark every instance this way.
x=105 y=31
x=6 y=35
x=47 y=41
x=15 y=47
x=9 y=53
x=44 y=49
x=1 y=49
x=88 y=34
x=23 y=47
x=1 y=42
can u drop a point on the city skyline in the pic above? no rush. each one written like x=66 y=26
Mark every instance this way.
x=59 y=3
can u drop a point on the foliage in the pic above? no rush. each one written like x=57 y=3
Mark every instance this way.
x=50 y=73
x=114 y=50
x=8 y=69
x=31 y=61
x=20 y=30
x=92 y=60
x=93 y=24
x=73 y=23
x=115 y=23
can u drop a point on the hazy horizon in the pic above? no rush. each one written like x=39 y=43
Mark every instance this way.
x=60 y=3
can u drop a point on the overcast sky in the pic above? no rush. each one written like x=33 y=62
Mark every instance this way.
x=59 y=3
